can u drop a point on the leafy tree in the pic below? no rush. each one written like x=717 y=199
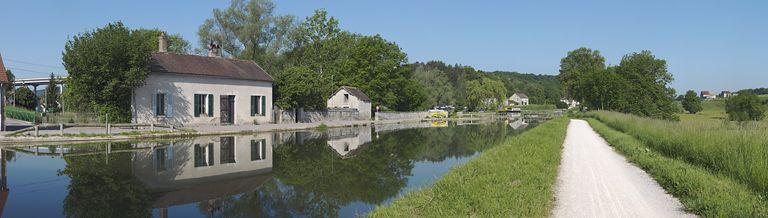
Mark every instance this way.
x=52 y=95
x=561 y=105
x=691 y=102
x=249 y=30
x=25 y=98
x=744 y=107
x=299 y=87
x=176 y=44
x=575 y=65
x=647 y=87
x=485 y=94
x=105 y=65
x=11 y=79
x=435 y=82
x=605 y=90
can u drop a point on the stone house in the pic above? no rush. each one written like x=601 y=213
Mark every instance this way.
x=351 y=97
x=202 y=90
x=707 y=95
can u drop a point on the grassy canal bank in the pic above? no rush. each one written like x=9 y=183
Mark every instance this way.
x=516 y=178
x=715 y=168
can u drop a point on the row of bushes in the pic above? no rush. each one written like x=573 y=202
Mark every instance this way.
x=22 y=114
x=731 y=149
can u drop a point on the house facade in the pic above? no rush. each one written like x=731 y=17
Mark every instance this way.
x=518 y=99
x=198 y=90
x=351 y=97
x=726 y=94
x=3 y=83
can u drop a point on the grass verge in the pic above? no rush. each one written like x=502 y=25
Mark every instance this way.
x=701 y=191
x=516 y=178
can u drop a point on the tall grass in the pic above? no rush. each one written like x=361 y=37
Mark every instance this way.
x=21 y=114
x=739 y=151
x=514 y=179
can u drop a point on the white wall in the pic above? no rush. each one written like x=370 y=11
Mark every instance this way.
x=337 y=101
x=182 y=89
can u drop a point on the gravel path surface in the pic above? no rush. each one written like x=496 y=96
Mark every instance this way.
x=595 y=181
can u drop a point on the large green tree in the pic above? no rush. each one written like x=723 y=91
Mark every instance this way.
x=299 y=87
x=249 y=29
x=105 y=65
x=485 y=94
x=647 y=79
x=25 y=98
x=691 y=102
x=52 y=95
x=575 y=66
x=435 y=82
x=745 y=106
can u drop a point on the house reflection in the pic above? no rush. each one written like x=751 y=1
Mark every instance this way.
x=349 y=141
x=203 y=169
x=517 y=124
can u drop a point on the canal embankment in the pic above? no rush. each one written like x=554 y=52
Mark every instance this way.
x=515 y=178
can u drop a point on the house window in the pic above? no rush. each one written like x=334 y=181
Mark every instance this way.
x=160 y=105
x=258 y=105
x=258 y=150
x=203 y=105
x=203 y=155
x=346 y=98
x=162 y=157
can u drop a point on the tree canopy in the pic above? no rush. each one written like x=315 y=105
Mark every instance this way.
x=691 y=102
x=106 y=64
x=745 y=107
x=638 y=85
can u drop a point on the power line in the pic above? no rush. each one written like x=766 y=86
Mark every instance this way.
x=30 y=63
x=28 y=71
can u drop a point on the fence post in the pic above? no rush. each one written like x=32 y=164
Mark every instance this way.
x=151 y=127
x=171 y=128
x=61 y=129
x=109 y=129
x=37 y=130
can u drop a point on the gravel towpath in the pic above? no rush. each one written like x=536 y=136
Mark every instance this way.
x=596 y=181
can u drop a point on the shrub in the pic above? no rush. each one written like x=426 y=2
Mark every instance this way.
x=744 y=107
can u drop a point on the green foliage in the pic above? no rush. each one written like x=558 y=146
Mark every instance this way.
x=691 y=102
x=575 y=66
x=541 y=89
x=745 y=107
x=52 y=96
x=561 y=105
x=485 y=94
x=176 y=44
x=514 y=179
x=756 y=91
x=301 y=87
x=21 y=114
x=729 y=149
x=703 y=192
x=25 y=98
x=436 y=85
x=638 y=85
x=11 y=79
x=249 y=29
x=106 y=64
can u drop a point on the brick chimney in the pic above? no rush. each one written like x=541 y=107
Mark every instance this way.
x=162 y=43
x=214 y=50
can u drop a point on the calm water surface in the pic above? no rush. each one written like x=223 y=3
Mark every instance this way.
x=343 y=172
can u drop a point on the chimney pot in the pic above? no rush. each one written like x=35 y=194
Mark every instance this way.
x=162 y=43
x=214 y=50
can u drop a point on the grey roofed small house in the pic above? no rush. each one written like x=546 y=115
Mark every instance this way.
x=351 y=97
x=190 y=89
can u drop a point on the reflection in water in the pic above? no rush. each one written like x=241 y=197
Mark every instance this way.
x=341 y=172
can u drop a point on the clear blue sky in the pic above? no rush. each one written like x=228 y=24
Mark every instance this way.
x=710 y=45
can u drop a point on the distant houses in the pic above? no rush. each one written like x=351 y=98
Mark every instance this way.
x=570 y=102
x=725 y=94
x=351 y=97
x=191 y=89
x=518 y=99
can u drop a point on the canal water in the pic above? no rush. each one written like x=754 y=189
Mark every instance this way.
x=342 y=172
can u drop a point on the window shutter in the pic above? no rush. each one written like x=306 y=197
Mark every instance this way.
x=253 y=105
x=197 y=105
x=169 y=107
x=154 y=104
x=210 y=154
x=263 y=105
x=210 y=105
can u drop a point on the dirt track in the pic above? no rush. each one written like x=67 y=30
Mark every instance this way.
x=595 y=181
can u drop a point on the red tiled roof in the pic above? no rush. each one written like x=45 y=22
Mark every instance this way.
x=3 y=76
x=208 y=66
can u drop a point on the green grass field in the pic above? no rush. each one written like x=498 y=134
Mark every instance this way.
x=711 y=110
x=701 y=191
x=735 y=150
x=514 y=179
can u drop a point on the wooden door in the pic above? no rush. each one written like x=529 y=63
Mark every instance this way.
x=227 y=107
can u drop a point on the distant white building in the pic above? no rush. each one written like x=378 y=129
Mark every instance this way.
x=351 y=97
x=726 y=94
x=571 y=103
x=518 y=99
x=707 y=95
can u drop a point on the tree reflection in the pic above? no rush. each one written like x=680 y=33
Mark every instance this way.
x=104 y=186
